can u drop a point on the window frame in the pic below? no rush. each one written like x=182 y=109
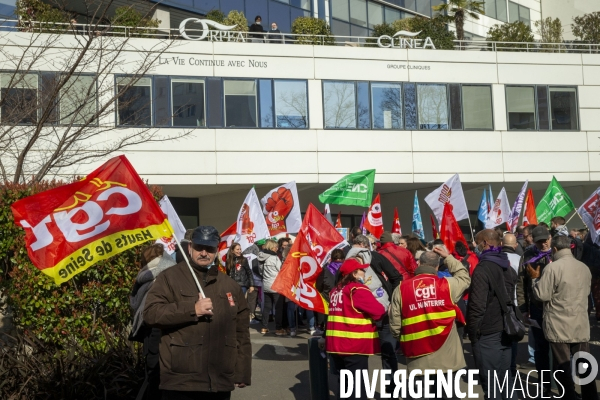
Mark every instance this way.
x=257 y=107
x=372 y=125
x=462 y=106
x=578 y=119
x=116 y=94
x=535 y=109
x=97 y=122
x=354 y=83
x=38 y=98
x=273 y=82
x=448 y=111
x=187 y=79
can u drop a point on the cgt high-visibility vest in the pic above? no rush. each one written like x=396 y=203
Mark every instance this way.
x=348 y=330
x=428 y=314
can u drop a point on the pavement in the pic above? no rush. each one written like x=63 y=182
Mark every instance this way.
x=280 y=365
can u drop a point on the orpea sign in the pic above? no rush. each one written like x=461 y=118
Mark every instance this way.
x=400 y=41
x=222 y=32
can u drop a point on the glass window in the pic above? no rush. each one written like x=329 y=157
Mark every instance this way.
x=20 y=94
x=358 y=31
x=387 y=105
x=134 y=98
x=455 y=106
x=339 y=99
x=477 y=107
x=305 y=4
x=279 y=13
x=364 y=105
x=48 y=83
x=187 y=98
x=542 y=108
x=411 y=4
x=563 y=108
x=524 y=15
x=375 y=14
x=78 y=100
x=240 y=103
x=162 y=104
x=513 y=12
x=291 y=104
x=253 y=8
x=489 y=8
x=265 y=87
x=433 y=106
x=520 y=105
x=391 y=15
x=358 y=12
x=501 y=12
x=339 y=28
x=424 y=7
x=410 y=105
x=214 y=94
x=339 y=9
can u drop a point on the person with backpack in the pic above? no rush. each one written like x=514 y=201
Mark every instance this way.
x=400 y=258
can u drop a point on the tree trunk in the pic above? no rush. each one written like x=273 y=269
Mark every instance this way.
x=459 y=21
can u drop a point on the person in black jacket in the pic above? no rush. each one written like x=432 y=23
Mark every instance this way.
x=238 y=268
x=491 y=346
x=257 y=30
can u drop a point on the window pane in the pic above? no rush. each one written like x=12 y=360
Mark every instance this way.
x=411 y=4
x=520 y=105
x=266 y=103
x=490 y=8
x=240 y=103
x=134 y=101
x=364 y=105
x=501 y=10
x=358 y=31
x=162 y=105
x=20 y=98
x=188 y=102
x=279 y=13
x=214 y=95
x=433 y=106
x=513 y=12
x=455 y=106
x=424 y=7
x=542 y=108
x=391 y=15
x=477 y=107
x=339 y=28
x=387 y=105
x=375 y=14
x=49 y=82
x=563 y=108
x=358 y=12
x=339 y=101
x=291 y=104
x=78 y=100
x=524 y=15
x=305 y=4
x=339 y=9
x=410 y=105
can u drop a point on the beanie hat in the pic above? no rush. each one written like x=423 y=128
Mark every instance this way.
x=386 y=237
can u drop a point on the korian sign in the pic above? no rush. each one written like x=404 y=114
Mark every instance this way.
x=400 y=41
x=222 y=32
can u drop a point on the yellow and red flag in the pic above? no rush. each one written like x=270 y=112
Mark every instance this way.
x=311 y=250
x=70 y=228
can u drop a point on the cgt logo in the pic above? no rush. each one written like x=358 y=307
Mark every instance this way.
x=424 y=289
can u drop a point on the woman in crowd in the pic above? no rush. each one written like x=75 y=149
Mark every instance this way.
x=351 y=334
x=413 y=244
x=238 y=268
x=269 y=265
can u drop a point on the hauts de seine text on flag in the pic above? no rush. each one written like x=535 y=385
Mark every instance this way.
x=70 y=228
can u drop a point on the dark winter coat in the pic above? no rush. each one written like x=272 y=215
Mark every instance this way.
x=241 y=272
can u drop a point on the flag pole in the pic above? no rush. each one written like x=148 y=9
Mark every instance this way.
x=470 y=227
x=188 y=262
x=571 y=217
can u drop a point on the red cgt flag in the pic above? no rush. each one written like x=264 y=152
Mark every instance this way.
x=70 y=228
x=338 y=222
x=529 y=215
x=396 y=226
x=434 y=227
x=450 y=232
x=311 y=250
x=227 y=238
x=374 y=222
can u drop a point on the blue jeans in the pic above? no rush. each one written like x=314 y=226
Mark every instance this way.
x=291 y=314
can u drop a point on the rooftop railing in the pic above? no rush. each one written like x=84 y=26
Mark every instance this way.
x=280 y=38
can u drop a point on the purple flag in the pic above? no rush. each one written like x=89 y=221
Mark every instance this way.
x=513 y=219
x=362 y=225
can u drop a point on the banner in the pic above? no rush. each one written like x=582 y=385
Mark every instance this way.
x=282 y=209
x=529 y=216
x=590 y=214
x=362 y=224
x=251 y=225
x=434 y=230
x=484 y=208
x=374 y=221
x=555 y=203
x=338 y=221
x=168 y=242
x=500 y=211
x=396 y=228
x=227 y=238
x=70 y=228
x=311 y=250
x=352 y=190
x=417 y=222
x=450 y=191
x=450 y=232
x=513 y=220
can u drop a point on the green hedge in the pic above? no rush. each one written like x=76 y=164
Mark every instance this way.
x=93 y=304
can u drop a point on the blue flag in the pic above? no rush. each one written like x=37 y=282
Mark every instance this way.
x=490 y=200
x=483 y=208
x=417 y=222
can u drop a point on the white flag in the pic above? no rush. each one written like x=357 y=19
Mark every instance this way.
x=590 y=215
x=251 y=225
x=169 y=243
x=327 y=214
x=282 y=209
x=500 y=212
x=452 y=192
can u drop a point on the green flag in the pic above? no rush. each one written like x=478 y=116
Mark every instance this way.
x=352 y=190
x=555 y=203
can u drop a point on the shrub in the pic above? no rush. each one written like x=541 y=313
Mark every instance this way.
x=29 y=11
x=216 y=15
x=434 y=28
x=550 y=31
x=319 y=31
x=587 y=27
x=78 y=311
x=130 y=17
x=514 y=32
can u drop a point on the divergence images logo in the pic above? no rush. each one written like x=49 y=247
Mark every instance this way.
x=218 y=35
x=424 y=289
x=584 y=368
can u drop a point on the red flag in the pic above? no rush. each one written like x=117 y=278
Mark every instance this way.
x=227 y=238
x=396 y=226
x=436 y=235
x=374 y=222
x=338 y=222
x=70 y=228
x=529 y=216
x=311 y=250
x=450 y=232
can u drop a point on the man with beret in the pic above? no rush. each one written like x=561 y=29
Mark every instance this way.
x=205 y=349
